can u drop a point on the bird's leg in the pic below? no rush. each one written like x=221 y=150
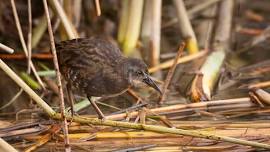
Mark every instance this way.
x=70 y=98
x=99 y=112
x=139 y=99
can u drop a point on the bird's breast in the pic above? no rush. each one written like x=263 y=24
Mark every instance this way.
x=106 y=86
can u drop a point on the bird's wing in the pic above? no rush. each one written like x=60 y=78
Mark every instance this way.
x=86 y=58
x=76 y=60
x=89 y=47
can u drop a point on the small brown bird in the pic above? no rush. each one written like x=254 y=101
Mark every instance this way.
x=97 y=68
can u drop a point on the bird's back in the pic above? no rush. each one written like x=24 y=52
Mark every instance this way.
x=90 y=65
x=87 y=50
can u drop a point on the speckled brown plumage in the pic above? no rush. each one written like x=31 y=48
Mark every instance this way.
x=91 y=65
x=97 y=68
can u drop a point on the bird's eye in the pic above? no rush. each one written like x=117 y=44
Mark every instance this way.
x=139 y=72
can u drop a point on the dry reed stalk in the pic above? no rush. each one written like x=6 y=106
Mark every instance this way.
x=27 y=89
x=181 y=142
x=98 y=10
x=155 y=32
x=4 y=146
x=243 y=112
x=168 y=130
x=185 y=27
x=265 y=34
x=58 y=76
x=150 y=32
x=232 y=132
x=18 y=26
x=132 y=28
x=160 y=129
x=12 y=100
x=181 y=107
x=171 y=72
x=254 y=16
x=262 y=95
x=123 y=22
x=70 y=29
x=188 y=111
x=193 y=12
x=111 y=143
x=44 y=138
x=29 y=40
x=206 y=27
x=221 y=124
x=248 y=31
x=136 y=148
x=200 y=7
x=68 y=8
x=197 y=112
x=146 y=26
x=224 y=22
x=39 y=30
x=259 y=112
x=169 y=63
x=260 y=85
x=39 y=142
x=201 y=88
x=6 y=48
x=191 y=148
x=17 y=56
x=77 y=12
x=251 y=109
x=203 y=84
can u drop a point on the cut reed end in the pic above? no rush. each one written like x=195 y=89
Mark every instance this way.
x=192 y=46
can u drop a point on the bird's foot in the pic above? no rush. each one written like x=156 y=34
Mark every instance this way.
x=101 y=117
x=73 y=113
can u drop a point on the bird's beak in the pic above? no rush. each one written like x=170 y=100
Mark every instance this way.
x=150 y=82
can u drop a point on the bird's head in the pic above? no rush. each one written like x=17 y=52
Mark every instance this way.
x=136 y=71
